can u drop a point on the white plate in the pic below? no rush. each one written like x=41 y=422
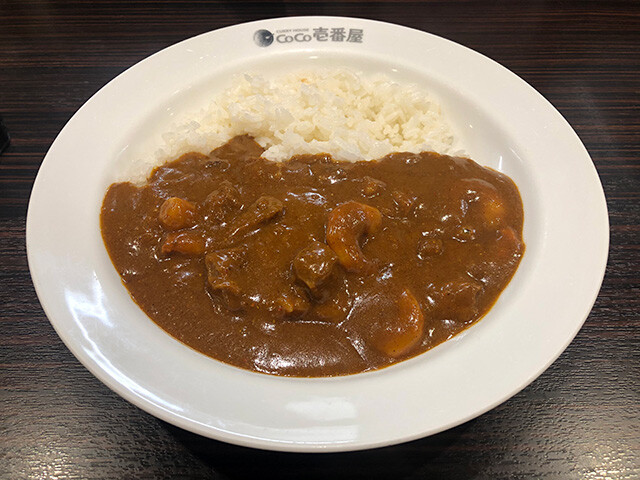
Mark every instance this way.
x=500 y=120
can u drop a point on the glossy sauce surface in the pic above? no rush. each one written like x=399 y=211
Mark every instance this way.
x=314 y=267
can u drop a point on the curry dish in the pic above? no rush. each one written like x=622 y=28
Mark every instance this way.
x=312 y=266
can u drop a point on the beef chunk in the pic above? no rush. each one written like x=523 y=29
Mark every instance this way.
x=314 y=264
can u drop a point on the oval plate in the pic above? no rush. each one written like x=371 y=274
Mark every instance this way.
x=499 y=120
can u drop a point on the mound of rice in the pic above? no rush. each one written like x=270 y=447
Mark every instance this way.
x=346 y=114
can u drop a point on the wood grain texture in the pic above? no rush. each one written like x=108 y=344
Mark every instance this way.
x=579 y=420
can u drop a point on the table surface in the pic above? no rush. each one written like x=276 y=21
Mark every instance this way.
x=579 y=420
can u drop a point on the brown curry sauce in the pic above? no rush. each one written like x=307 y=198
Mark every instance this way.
x=314 y=267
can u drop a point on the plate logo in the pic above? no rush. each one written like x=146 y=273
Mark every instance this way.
x=264 y=38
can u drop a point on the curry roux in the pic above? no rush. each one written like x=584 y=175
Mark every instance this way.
x=314 y=267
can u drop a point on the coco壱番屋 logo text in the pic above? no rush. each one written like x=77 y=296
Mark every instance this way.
x=264 y=38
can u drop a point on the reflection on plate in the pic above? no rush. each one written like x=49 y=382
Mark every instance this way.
x=502 y=123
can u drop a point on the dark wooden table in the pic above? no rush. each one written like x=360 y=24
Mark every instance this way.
x=579 y=420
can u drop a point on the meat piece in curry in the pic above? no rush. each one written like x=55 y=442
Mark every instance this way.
x=312 y=266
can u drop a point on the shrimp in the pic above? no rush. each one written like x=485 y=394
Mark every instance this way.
x=177 y=213
x=487 y=199
x=405 y=331
x=347 y=224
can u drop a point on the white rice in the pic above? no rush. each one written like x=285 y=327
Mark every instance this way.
x=349 y=115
